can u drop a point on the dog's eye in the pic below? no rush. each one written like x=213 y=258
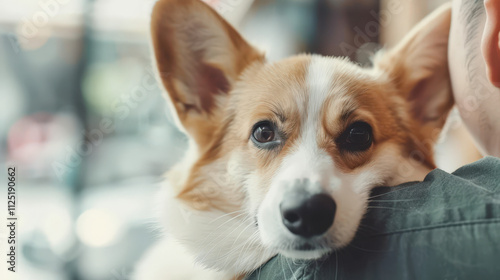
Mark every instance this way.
x=357 y=137
x=263 y=132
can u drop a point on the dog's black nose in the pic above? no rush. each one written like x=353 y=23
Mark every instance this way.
x=308 y=215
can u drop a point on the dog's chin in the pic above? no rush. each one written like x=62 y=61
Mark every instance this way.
x=305 y=254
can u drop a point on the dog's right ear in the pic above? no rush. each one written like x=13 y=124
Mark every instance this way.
x=199 y=57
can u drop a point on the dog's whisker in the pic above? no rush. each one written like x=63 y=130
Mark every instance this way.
x=395 y=200
x=233 y=218
x=290 y=267
x=367 y=229
x=249 y=241
x=227 y=214
x=389 y=208
x=282 y=266
x=336 y=265
x=215 y=231
x=238 y=237
x=232 y=247
x=366 y=250
x=223 y=233
x=386 y=193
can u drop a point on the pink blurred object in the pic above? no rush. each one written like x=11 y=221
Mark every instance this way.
x=35 y=141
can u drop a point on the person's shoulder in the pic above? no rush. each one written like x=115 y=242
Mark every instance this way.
x=483 y=173
x=485 y=166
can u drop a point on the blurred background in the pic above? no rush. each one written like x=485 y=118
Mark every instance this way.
x=83 y=120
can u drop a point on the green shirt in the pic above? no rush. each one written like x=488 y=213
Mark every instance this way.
x=446 y=227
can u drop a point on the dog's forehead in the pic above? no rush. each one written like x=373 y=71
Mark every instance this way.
x=325 y=82
x=302 y=86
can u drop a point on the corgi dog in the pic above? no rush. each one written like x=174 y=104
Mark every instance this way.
x=282 y=156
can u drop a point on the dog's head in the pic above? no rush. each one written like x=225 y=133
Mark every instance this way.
x=284 y=154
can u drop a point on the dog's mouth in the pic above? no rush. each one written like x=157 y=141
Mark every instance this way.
x=314 y=248
x=305 y=251
x=311 y=249
x=307 y=247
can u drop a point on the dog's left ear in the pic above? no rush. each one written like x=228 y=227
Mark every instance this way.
x=418 y=66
